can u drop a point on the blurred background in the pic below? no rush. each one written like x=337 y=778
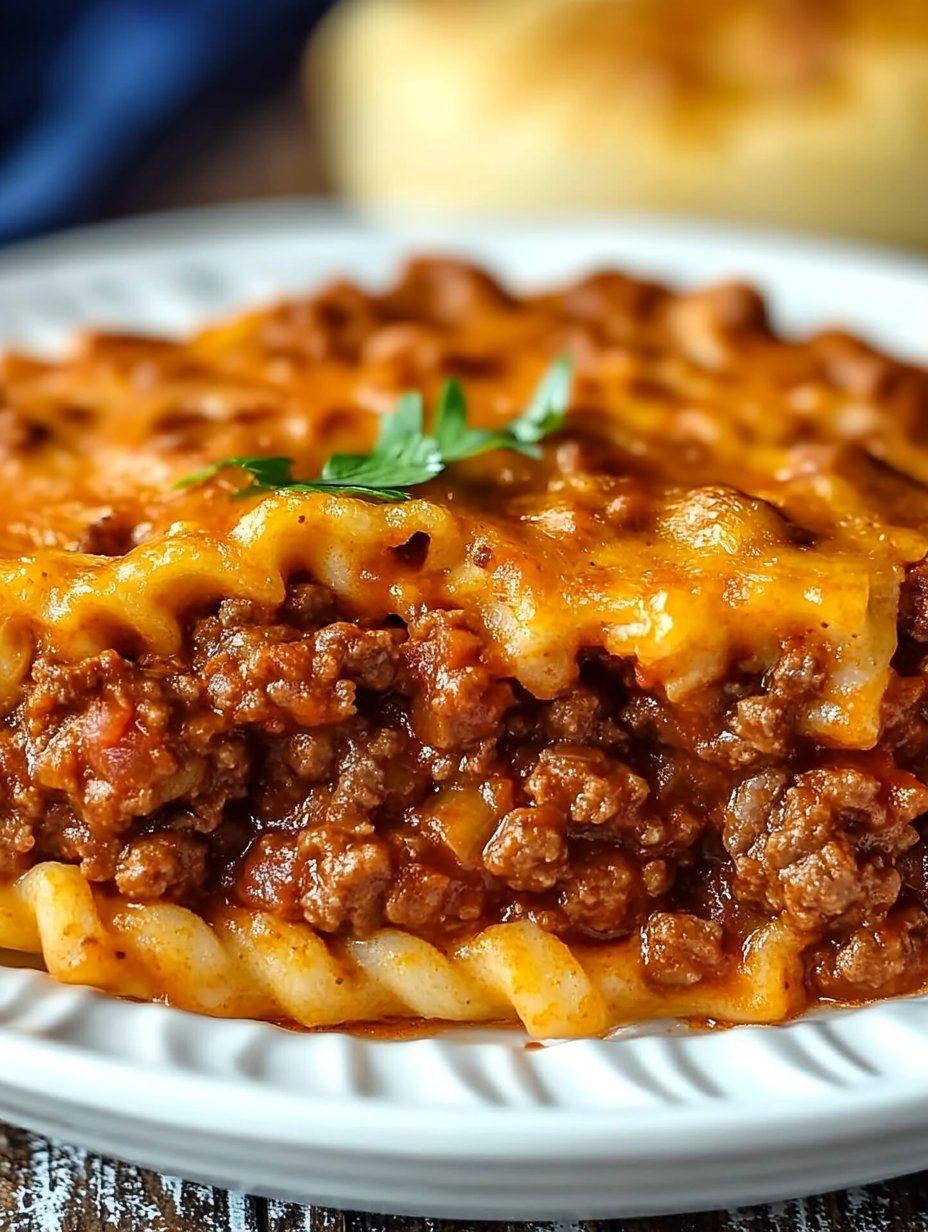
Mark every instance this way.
x=810 y=114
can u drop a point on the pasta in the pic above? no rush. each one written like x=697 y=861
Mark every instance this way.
x=251 y=964
x=627 y=724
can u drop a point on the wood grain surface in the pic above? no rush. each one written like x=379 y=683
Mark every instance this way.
x=50 y=1187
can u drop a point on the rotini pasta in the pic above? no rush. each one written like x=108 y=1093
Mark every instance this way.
x=253 y=965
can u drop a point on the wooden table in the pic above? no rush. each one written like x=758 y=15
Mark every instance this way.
x=49 y=1187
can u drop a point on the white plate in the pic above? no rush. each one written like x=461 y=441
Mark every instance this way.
x=468 y=1124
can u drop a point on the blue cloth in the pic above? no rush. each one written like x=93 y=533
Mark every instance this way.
x=84 y=84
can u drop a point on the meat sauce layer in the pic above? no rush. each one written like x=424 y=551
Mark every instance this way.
x=670 y=678
x=358 y=776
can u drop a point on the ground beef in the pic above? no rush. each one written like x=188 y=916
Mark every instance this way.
x=361 y=784
x=344 y=878
x=62 y=835
x=603 y=894
x=110 y=535
x=310 y=755
x=422 y=898
x=766 y=722
x=278 y=676
x=586 y=785
x=913 y=604
x=582 y=717
x=331 y=325
x=680 y=950
x=21 y=803
x=167 y=865
x=268 y=875
x=820 y=847
x=118 y=741
x=529 y=849
x=346 y=774
x=762 y=726
x=459 y=700
x=884 y=958
x=443 y=292
x=668 y=833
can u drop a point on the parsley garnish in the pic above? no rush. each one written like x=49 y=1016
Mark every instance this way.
x=405 y=455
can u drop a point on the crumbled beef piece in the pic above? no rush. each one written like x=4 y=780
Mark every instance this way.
x=603 y=894
x=825 y=884
x=110 y=746
x=658 y=877
x=57 y=686
x=165 y=865
x=903 y=720
x=274 y=676
x=613 y=307
x=529 y=849
x=876 y=958
x=913 y=604
x=361 y=785
x=310 y=755
x=64 y=836
x=232 y=613
x=478 y=762
x=821 y=848
x=366 y=656
x=753 y=803
x=21 y=803
x=344 y=879
x=112 y=741
x=586 y=784
x=458 y=699
x=307 y=606
x=680 y=950
x=669 y=832
x=580 y=717
x=765 y=723
x=417 y=896
x=423 y=898
x=268 y=877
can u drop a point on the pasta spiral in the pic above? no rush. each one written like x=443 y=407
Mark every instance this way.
x=251 y=964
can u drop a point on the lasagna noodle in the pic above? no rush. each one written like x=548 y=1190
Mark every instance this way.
x=681 y=621
x=250 y=964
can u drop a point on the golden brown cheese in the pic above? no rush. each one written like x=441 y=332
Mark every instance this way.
x=717 y=491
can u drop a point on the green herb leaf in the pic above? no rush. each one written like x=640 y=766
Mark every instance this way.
x=405 y=455
x=268 y=472
x=456 y=440
x=548 y=408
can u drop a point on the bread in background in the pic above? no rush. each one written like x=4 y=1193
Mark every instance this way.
x=811 y=113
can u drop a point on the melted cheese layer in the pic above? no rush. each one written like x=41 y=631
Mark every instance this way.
x=716 y=492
